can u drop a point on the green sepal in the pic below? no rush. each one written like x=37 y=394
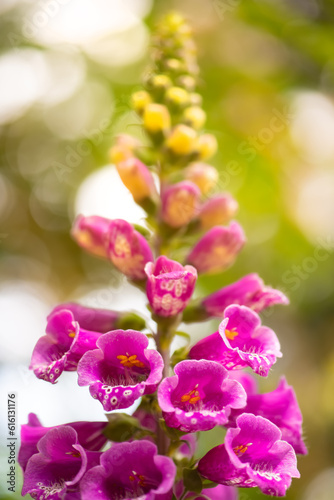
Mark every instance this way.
x=208 y=484
x=173 y=434
x=195 y=313
x=179 y=355
x=131 y=321
x=192 y=480
x=122 y=427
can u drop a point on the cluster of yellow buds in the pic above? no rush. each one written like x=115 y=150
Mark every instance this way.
x=173 y=118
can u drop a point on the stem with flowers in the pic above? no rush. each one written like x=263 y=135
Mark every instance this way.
x=152 y=454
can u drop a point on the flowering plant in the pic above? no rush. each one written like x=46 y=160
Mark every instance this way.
x=151 y=454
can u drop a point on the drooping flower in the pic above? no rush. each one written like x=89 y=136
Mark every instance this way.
x=240 y=342
x=121 y=370
x=59 y=466
x=169 y=285
x=217 y=211
x=217 y=249
x=130 y=470
x=91 y=233
x=90 y=436
x=249 y=291
x=128 y=249
x=100 y=320
x=253 y=454
x=281 y=408
x=199 y=396
x=62 y=347
x=137 y=178
x=180 y=203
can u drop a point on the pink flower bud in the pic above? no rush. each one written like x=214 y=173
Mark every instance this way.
x=137 y=178
x=91 y=234
x=128 y=249
x=217 y=211
x=180 y=203
x=169 y=286
x=218 y=248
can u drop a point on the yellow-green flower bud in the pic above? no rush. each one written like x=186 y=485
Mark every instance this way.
x=205 y=176
x=160 y=82
x=177 y=97
x=195 y=99
x=175 y=65
x=156 y=118
x=140 y=100
x=123 y=149
x=187 y=81
x=195 y=117
x=206 y=146
x=182 y=140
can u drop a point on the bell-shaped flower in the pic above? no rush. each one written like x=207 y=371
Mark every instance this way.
x=90 y=436
x=137 y=178
x=128 y=249
x=281 y=408
x=59 y=466
x=199 y=396
x=121 y=370
x=180 y=203
x=240 y=342
x=217 y=249
x=249 y=291
x=169 y=285
x=217 y=211
x=91 y=233
x=62 y=347
x=130 y=470
x=253 y=454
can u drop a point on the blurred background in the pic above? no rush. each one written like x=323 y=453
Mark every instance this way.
x=67 y=69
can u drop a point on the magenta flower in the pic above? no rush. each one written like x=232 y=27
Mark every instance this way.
x=121 y=370
x=218 y=248
x=199 y=396
x=253 y=455
x=98 y=320
x=91 y=233
x=217 y=211
x=250 y=291
x=169 y=285
x=128 y=249
x=90 y=436
x=62 y=347
x=240 y=342
x=130 y=470
x=281 y=408
x=59 y=466
x=180 y=203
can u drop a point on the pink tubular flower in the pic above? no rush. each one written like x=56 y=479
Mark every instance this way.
x=130 y=470
x=137 y=178
x=217 y=211
x=91 y=233
x=128 y=249
x=240 y=342
x=121 y=370
x=199 y=396
x=169 y=285
x=253 y=455
x=180 y=203
x=218 y=248
x=249 y=291
x=281 y=408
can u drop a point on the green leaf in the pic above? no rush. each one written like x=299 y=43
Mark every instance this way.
x=184 y=335
x=192 y=480
x=179 y=355
x=208 y=484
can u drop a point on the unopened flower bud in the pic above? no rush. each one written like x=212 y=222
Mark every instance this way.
x=182 y=140
x=137 y=178
x=188 y=82
x=203 y=175
x=175 y=65
x=156 y=118
x=91 y=234
x=180 y=203
x=123 y=148
x=195 y=117
x=160 y=82
x=195 y=99
x=218 y=248
x=206 y=146
x=177 y=97
x=217 y=211
x=140 y=100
